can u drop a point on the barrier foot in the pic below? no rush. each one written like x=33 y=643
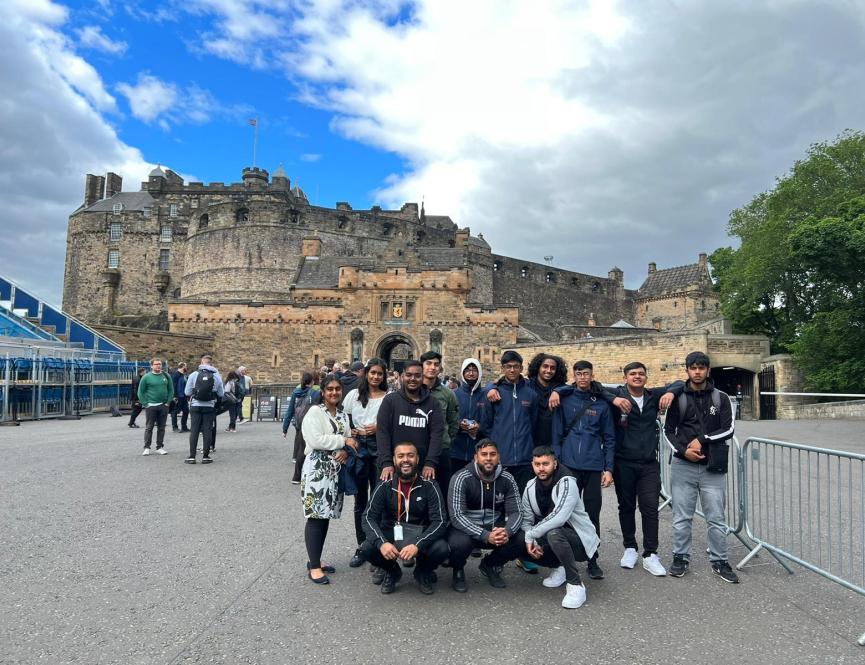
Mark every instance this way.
x=782 y=562
x=9 y=423
x=666 y=503
x=748 y=557
x=862 y=640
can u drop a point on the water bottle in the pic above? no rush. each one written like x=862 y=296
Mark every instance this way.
x=623 y=420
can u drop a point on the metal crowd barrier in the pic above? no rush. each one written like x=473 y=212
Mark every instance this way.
x=807 y=505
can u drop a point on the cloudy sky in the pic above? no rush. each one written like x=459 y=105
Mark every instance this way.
x=600 y=133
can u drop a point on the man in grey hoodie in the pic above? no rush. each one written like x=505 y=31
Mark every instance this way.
x=472 y=401
x=205 y=388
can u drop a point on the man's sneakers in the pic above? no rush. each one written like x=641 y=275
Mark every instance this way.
x=722 y=569
x=458 y=583
x=425 y=582
x=206 y=460
x=493 y=574
x=190 y=460
x=357 y=560
x=679 y=567
x=652 y=564
x=575 y=596
x=555 y=578
x=594 y=570
x=629 y=558
x=527 y=567
x=146 y=452
x=388 y=583
x=377 y=575
x=134 y=426
x=161 y=451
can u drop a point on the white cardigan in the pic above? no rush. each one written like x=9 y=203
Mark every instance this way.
x=318 y=429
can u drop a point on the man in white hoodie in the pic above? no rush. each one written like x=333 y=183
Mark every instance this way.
x=472 y=401
x=558 y=531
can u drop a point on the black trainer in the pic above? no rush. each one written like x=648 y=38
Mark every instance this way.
x=458 y=583
x=388 y=584
x=377 y=575
x=190 y=460
x=594 y=570
x=424 y=582
x=206 y=460
x=722 y=569
x=357 y=560
x=493 y=574
x=679 y=567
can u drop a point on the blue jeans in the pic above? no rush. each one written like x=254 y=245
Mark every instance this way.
x=690 y=480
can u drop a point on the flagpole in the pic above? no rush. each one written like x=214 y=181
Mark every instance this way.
x=254 y=140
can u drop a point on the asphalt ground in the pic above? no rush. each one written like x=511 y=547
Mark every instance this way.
x=110 y=557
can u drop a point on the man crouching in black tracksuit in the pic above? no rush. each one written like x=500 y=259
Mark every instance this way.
x=406 y=520
x=484 y=504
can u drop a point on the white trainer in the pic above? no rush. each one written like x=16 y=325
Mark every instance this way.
x=146 y=451
x=575 y=596
x=629 y=558
x=653 y=565
x=555 y=578
x=161 y=451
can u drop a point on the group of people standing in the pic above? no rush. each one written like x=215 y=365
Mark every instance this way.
x=195 y=399
x=514 y=467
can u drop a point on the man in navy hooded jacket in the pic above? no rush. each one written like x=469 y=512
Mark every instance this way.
x=584 y=440
x=511 y=421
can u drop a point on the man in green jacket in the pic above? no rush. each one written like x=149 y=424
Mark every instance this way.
x=155 y=392
x=447 y=400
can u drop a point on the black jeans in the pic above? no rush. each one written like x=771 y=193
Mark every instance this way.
x=443 y=471
x=136 y=409
x=562 y=547
x=461 y=545
x=431 y=558
x=203 y=420
x=233 y=410
x=183 y=407
x=638 y=482
x=366 y=482
x=156 y=415
x=589 y=484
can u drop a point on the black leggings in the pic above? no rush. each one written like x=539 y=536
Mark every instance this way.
x=314 y=534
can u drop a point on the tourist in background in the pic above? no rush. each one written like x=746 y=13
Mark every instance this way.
x=326 y=432
x=181 y=404
x=234 y=386
x=155 y=393
x=304 y=395
x=135 y=403
x=205 y=387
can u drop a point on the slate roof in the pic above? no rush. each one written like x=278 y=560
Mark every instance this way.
x=130 y=201
x=440 y=258
x=671 y=280
x=323 y=273
x=621 y=323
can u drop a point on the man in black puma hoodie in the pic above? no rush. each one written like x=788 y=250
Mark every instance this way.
x=410 y=415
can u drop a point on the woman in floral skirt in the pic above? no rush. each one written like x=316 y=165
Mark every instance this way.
x=326 y=431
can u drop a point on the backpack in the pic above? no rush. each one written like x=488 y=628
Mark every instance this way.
x=303 y=405
x=205 y=386
x=238 y=390
x=683 y=401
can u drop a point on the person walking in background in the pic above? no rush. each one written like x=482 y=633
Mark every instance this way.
x=305 y=395
x=205 y=387
x=155 y=393
x=181 y=404
x=136 y=403
x=234 y=386
x=246 y=384
x=326 y=431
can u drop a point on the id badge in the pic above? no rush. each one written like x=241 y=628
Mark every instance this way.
x=397 y=532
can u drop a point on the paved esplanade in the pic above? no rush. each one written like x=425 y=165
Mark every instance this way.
x=110 y=557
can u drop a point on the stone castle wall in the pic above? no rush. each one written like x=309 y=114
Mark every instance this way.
x=143 y=344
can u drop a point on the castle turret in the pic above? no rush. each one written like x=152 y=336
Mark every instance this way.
x=255 y=178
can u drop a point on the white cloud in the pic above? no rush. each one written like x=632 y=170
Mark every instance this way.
x=91 y=36
x=52 y=134
x=150 y=97
x=600 y=132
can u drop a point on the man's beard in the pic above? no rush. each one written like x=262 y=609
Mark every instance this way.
x=408 y=475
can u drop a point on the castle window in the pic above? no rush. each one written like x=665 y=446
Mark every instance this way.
x=295 y=216
x=117 y=208
x=574 y=281
x=703 y=305
x=717 y=306
x=409 y=310
x=550 y=278
x=113 y=258
x=524 y=272
x=146 y=211
x=172 y=210
x=343 y=222
x=241 y=216
x=115 y=231
x=596 y=287
x=176 y=293
x=164 y=259
x=193 y=203
x=387 y=228
x=384 y=312
x=165 y=235
x=497 y=265
x=203 y=221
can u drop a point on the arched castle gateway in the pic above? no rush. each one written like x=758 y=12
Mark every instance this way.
x=281 y=285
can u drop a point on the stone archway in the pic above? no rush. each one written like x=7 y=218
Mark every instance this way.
x=395 y=349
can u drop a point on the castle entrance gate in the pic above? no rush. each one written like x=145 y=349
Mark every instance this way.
x=395 y=349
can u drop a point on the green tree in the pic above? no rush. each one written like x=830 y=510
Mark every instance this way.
x=797 y=275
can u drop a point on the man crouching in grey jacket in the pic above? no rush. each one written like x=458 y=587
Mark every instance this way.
x=557 y=529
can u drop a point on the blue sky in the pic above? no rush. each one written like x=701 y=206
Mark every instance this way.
x=602 y=133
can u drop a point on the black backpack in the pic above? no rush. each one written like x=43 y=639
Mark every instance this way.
x=205 y=386
x=303 y=405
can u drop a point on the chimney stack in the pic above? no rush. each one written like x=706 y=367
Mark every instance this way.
x=652 y=267
x=94 y=186
x=702 y=259
x=113 y=185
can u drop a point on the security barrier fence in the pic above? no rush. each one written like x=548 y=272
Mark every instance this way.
x=35 y=387
x=800 y=503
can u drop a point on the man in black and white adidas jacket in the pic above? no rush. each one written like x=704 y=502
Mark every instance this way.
x=404 y=520
x=699 y=426
x=558 y=531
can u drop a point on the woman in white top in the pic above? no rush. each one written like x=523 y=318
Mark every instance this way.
x=325 y=429
x=361 y=405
